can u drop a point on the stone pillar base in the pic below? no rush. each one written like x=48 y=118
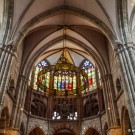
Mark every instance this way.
x=114 y=131
x=12 y=131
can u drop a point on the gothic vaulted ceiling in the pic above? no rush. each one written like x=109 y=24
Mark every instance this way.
x=90 y=25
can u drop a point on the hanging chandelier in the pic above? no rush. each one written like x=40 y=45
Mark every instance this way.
x=65 y=78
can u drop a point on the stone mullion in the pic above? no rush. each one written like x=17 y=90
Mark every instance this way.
x=22 y=103
x=6 y=76
x=20 y=98
x=51 y=84
x=127 y=92
x=50 y=97
x=79 y=106
x=49 y=107
x=106 y=100
x=100 y=102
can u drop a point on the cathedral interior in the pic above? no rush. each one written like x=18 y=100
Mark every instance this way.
x=67 y=67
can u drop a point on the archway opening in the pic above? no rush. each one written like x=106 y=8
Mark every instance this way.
x=36 y=131
x=126 y=124
x=64 y=132
x=92 y=131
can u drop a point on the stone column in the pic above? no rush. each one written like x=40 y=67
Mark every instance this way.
x=107 y=103
x=49 y=106
x=109 y=100
x=20 y=98
x=111 y=108
x=21 y=102
x=128 y=76
x=79 y=103
x=6 y=59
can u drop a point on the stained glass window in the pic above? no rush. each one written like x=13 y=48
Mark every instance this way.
x=89 y=68
x=65 y=82
x=45 y=80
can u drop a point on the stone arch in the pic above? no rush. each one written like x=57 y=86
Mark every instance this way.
x=64 y=131
x=36 y=131
x=67 y=9
x=27 y=68
x=65 y=126
x=91 y=107
x=92 y=131
x=4 y=119
x=39 y=107
x=125 y=122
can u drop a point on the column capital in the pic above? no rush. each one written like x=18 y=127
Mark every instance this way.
x=9 y=48
x=119 y=47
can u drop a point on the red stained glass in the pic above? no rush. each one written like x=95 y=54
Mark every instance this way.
x=90 y=81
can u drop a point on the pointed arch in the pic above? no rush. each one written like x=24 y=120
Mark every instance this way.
x=36 y=131
x=62 y=127
x=66 y=9
x=91 y=131
x=125 y=122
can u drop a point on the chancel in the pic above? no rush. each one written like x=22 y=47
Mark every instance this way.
x=67 y=67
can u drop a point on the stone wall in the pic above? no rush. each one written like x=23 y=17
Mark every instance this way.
x=73 y=126
x=34 y=122
x=94 y=122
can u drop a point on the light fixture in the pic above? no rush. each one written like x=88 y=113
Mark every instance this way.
x=71 y=80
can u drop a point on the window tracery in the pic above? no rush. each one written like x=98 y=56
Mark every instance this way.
x=46 y=79
x=65 y=109
x=89 y=68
